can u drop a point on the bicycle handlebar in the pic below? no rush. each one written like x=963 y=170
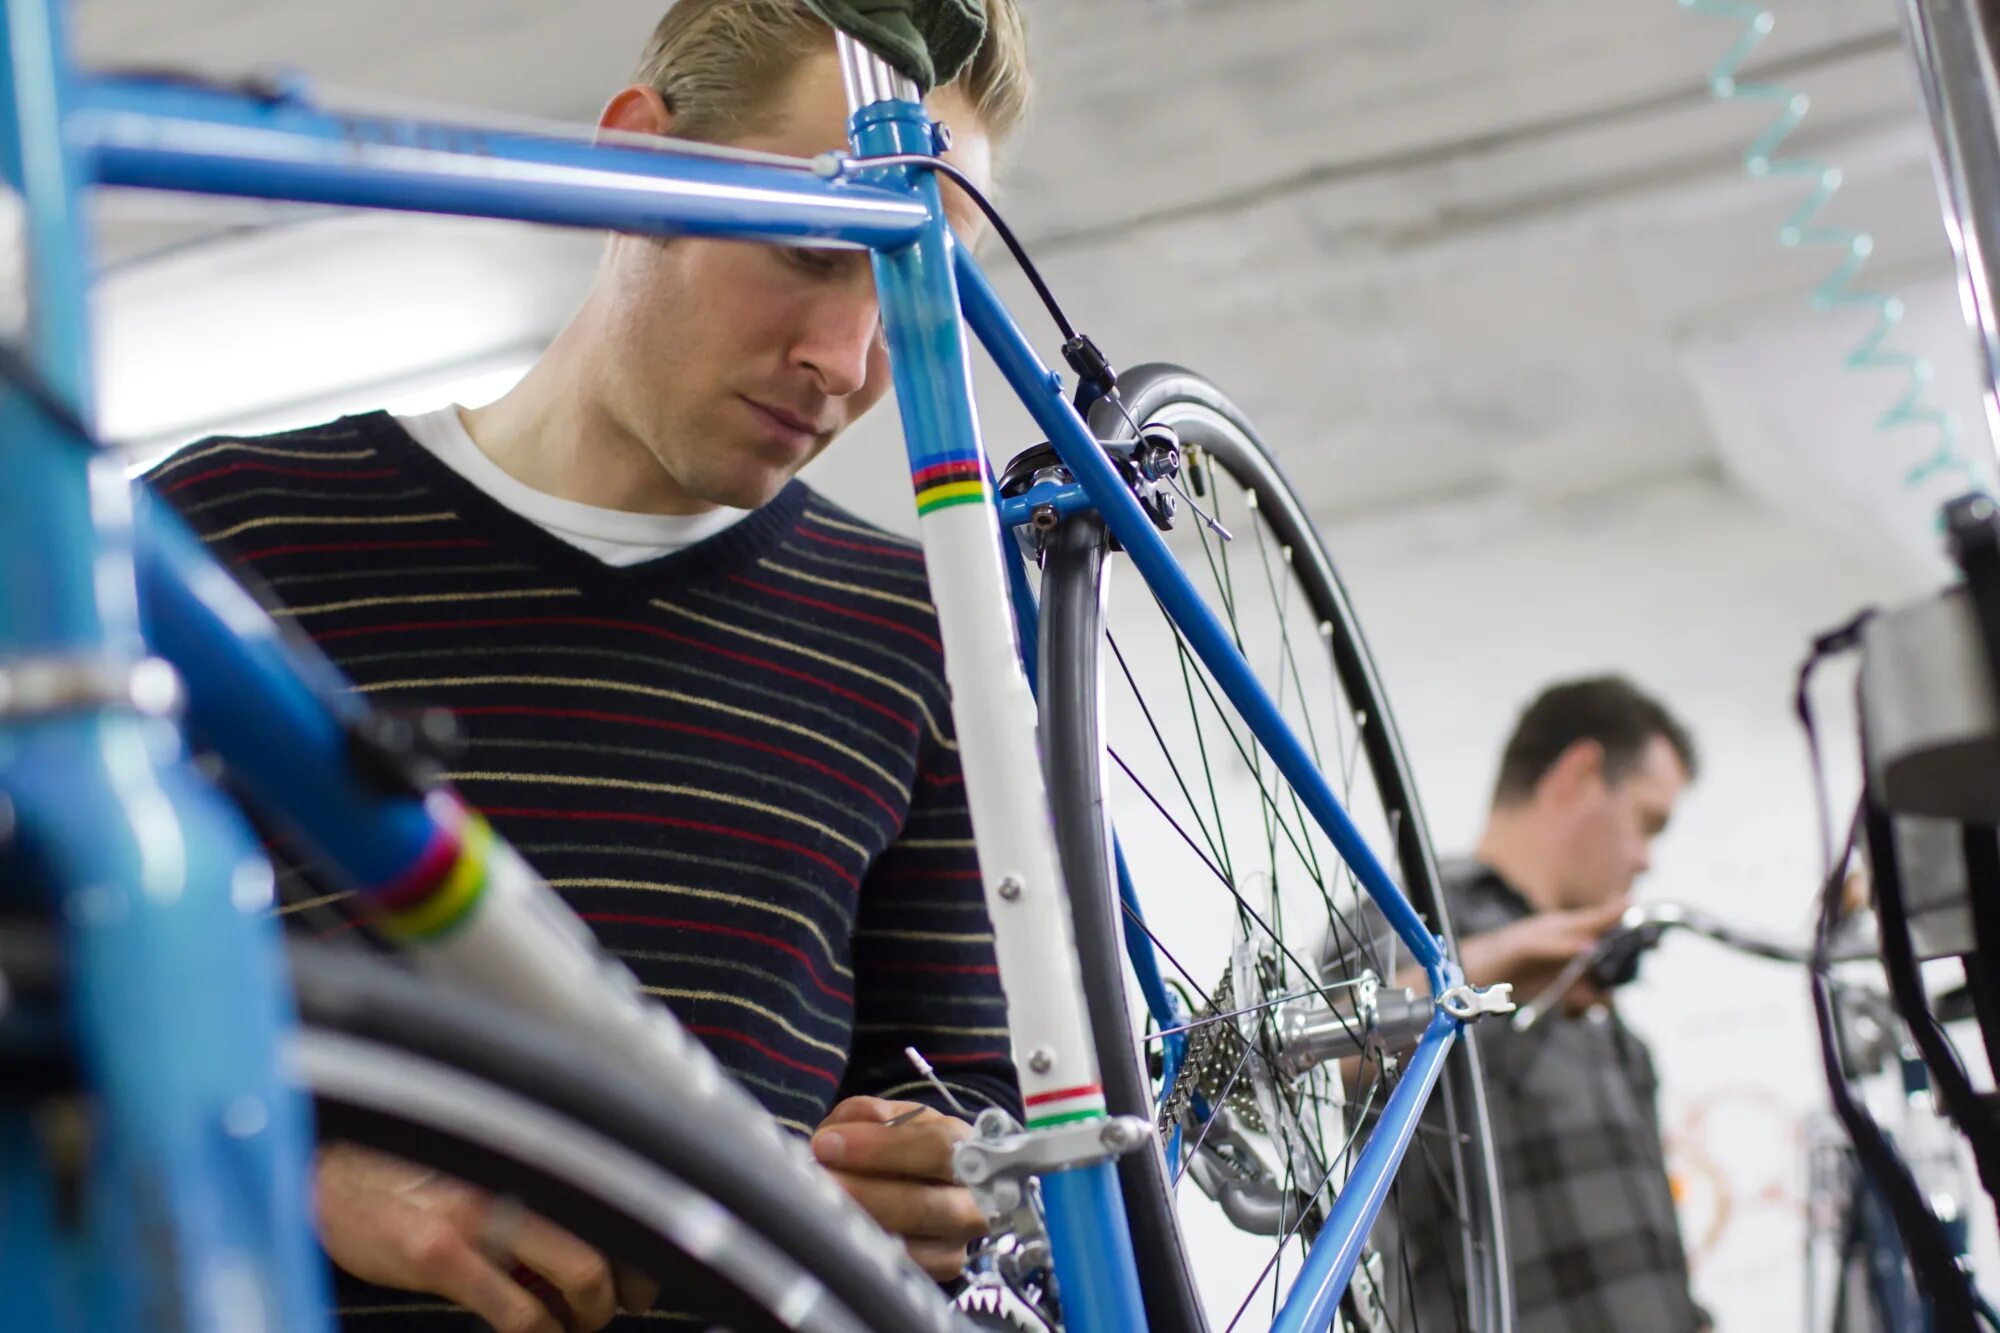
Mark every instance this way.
x=1615 y=960
x=1663 y=916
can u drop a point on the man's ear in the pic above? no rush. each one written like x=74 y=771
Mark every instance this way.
x=1579 y=765
x=638 y=109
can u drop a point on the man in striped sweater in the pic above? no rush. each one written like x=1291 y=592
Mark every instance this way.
x=706 y=703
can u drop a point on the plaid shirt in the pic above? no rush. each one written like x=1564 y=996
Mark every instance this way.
x=1595 y=1243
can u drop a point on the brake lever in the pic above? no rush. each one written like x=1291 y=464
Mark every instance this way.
x=1612 y=963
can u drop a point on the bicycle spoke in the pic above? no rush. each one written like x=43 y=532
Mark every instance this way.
x=1247 y=753
x=1201 y=746
x=1243 y=904
x=1290 y=657
x=1336 y=917
x=1253 y=755
x=1139 y=697
x=1251 y=1009
x=1440 y=1192
x=1278 y=1255
x=1292 y=1230
x=1409 y=1277
x=1224 y=587
x=1353 y=752
x=1139 y=921
x=1154 y=801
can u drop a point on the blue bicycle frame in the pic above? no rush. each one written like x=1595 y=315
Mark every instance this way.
x=178 y=1000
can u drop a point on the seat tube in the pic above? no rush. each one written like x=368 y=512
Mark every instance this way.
x=993 y=708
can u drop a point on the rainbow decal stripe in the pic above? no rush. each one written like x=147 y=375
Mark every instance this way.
x=1064 y=1105
x=440 y=892
x=961 y=481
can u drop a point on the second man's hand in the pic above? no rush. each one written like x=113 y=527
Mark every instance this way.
x=1532 y=952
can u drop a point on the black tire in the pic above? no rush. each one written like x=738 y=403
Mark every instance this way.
x=1073 y=627
x=407 y=1067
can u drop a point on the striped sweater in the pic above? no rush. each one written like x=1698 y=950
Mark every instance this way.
x=736 y=762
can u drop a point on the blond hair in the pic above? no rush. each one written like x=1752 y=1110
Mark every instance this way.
x=721 y=65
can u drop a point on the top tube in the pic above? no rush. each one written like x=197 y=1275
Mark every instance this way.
x=153 y=134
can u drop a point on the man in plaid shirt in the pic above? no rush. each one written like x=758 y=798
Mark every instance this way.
x=1588 y=780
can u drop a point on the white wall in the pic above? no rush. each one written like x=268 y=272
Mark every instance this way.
x=1791 y=427
x=1708 y=599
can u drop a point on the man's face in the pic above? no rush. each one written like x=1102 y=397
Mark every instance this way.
x=1613 y=824
x=735 y=364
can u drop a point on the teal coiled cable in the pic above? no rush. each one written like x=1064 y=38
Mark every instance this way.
x=1803 y=228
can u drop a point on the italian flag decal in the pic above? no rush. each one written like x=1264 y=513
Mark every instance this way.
x=1064 y=1105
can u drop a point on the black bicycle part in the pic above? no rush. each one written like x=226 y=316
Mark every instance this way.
x=1971 y=1113
x=1972 y=529
x=1615 y=961
x=1981 y=847
x=1930 y=1250
x=1931 y=1253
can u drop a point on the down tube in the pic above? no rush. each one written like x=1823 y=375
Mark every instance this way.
x=993 y=710
x=1041 y=394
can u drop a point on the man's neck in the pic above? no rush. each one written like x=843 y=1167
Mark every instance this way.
x=1514 y=851
x=552 y=432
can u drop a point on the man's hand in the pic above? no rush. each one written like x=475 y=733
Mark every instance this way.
x=1530 y=952
x=901 y=1177
x=396 y=1224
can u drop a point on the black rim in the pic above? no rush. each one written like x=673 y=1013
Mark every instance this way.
x=358 y=998
x=1070 y=644
x=611 y=1230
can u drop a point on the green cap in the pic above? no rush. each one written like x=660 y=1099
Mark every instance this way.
x=928 y=40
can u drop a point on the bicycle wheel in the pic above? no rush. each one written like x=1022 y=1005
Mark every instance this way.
x=734 y=1229
x=1249 y=909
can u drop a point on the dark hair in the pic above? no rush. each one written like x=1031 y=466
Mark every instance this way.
x=1607 y=709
